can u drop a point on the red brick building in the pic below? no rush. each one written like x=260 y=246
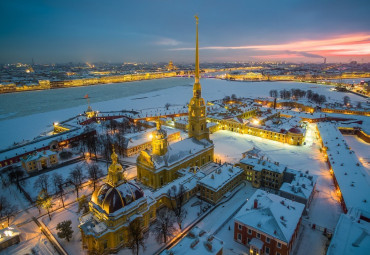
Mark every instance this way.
x=268 y=224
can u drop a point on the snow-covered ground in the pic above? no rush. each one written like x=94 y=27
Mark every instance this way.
x=40 y=120
x=29 y=187
x=31 y=240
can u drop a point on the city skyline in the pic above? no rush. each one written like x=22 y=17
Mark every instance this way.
x=157 y=31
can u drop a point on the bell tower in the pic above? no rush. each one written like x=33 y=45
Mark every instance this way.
x=115 y=171
x=159 y=141
x=197 y=109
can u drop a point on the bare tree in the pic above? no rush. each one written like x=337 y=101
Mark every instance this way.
x=16 y=176
x=177 y=201
x=45 y=201
x=76 y=178
x=42 y=183
x=163 y=226
x=58 y=182
x=7 y=209
x=91 y=145
x=167 y=105
x=136 y=236
x=83 y=204
x=94 y=173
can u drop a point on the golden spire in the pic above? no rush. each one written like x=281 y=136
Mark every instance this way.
x=196 y=52
x=114 y=156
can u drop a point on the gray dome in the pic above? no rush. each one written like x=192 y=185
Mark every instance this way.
x=111 y=199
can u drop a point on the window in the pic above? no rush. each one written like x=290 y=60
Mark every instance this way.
x=267 y=250
x=239 y=237
x=279 y=245
x=267 y=240
x=239 y=226
x=258 y=235
x=278 y=253
x=250 y=231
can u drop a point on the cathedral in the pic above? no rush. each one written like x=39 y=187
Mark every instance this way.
x=159 y=166
x=104 y=229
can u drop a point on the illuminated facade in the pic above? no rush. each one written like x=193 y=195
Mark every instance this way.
x=157 y=167
x=39 y=161
x=104 y=229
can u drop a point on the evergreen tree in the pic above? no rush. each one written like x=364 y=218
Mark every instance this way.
x=65 y=230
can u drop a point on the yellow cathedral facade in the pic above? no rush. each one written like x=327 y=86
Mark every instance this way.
x=104 y=229
x=159 y=166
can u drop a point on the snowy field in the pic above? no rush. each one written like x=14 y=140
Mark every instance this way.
x=38 y=120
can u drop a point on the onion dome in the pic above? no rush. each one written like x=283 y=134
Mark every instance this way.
x=112 y=199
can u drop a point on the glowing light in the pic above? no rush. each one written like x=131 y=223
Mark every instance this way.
x=8 y=233
x=256 y=122
x=151 y=136
x=56 y=123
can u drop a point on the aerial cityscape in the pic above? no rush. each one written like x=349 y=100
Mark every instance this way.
x=204 y=127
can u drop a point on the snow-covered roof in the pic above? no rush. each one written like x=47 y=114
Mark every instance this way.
x=197 y=242
x=351 y=236
x=352 y=177
x=259 y=165
x=8 y=233
x=142 y=137
x=275 y=216
x=39 y=155
x=180 y=150
x=301 y=186
x=220 y=177
x=188 y=178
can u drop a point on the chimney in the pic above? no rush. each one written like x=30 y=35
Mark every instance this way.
x=255 y=204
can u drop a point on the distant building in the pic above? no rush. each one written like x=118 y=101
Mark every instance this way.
x=39 y=160
x=196 y=242
x=268 y=224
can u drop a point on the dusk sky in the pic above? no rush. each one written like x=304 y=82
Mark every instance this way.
x=54 y=31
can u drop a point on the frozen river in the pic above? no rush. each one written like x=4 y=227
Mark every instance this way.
x=26 y=115
x=25 y=103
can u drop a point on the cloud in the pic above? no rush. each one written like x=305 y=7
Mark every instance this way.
x=344 y=45
x=167 y=42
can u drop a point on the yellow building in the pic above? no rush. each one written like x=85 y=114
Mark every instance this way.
x=215 y=185
x=159 y=166
x=104 y=229
x=39 y=161
x=262 y=173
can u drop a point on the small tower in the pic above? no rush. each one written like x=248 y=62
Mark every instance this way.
x=197 y=108
x=159 y=141
x=115 y=171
